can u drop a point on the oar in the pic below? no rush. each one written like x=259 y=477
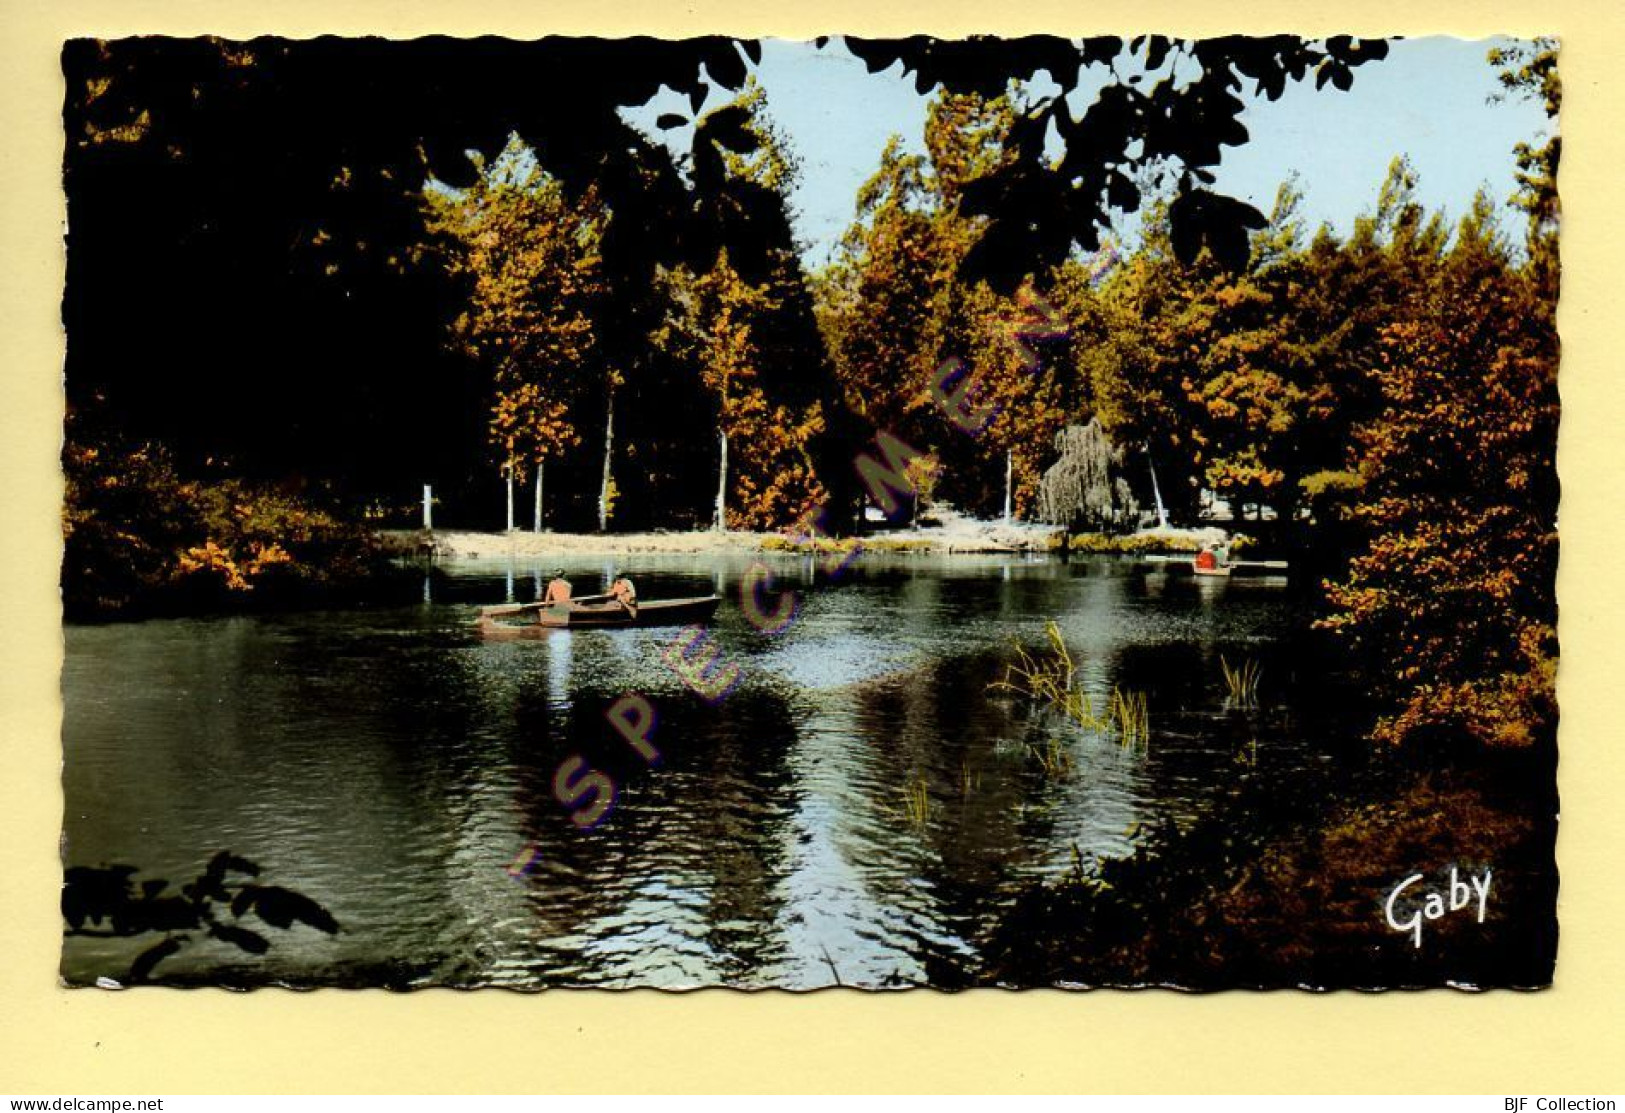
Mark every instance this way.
x=501 y=610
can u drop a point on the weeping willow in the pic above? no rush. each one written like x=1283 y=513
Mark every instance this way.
x=1083 y=488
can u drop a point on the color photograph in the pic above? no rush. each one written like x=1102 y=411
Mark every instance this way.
x=767 y=514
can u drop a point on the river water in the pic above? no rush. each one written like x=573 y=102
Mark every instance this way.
x=395 y=767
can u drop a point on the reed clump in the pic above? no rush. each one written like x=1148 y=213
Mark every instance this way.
x=1049 y=677
x=1242 y=682
x=1131 y=713
x=1053 y=758
x=917 y=802
x=968 y=782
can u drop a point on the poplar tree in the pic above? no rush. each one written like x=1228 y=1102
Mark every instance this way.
x=528 y=257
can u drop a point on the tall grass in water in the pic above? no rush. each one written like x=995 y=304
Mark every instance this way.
x=968 y=781
x=1046 y=677
x=1242 y=682
x=1053 y=758
x=1130 y=712
x=1049 y=678
x=917 y=802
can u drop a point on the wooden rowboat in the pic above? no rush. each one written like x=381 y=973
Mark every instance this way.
x=1221 y=570
x=579 y=615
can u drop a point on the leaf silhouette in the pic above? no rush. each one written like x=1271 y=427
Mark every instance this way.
x=732 y=116
x=152 y=956
x=1200 y=218
x=234 y=864
x=668 y=120
x=95 y=894
x=251 y=941
x=165 y=914
x=281 y=907
x=725 y=66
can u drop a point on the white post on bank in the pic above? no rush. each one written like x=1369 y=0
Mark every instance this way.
x=509 y=478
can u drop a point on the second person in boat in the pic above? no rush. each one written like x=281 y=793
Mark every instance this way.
x=623 y=593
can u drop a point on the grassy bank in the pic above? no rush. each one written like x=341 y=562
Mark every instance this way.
x=986 y=538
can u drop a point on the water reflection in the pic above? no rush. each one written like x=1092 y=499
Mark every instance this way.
x=392 y=765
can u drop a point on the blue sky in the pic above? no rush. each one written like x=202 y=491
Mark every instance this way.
x=1427 y=100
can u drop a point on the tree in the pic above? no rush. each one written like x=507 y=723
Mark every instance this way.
x=1085 y=487
x=1009 y=346
x=530 y=258
x=906 y=327
x=740 y=319
x=878 y=299
x=257 y=183
x=765 y=475
x=219 y=190
x=1454 y=589
x=1143 y=374
x=1529 y=70
x=1256 y=368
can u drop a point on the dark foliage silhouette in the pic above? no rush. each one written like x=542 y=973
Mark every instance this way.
x=106 y=901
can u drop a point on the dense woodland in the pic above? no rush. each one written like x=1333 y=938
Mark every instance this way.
x=307 y=278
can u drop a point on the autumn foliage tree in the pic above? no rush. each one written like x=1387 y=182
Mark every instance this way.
x=1454 y=590
x=529 y=256
x=878 y=300
x=1451 y=599
x=905 y=326
x=739 y=321
x=1141 y=370
x=765 y=476
x=139 y=535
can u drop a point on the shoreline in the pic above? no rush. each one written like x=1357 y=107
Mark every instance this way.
x=984 y=538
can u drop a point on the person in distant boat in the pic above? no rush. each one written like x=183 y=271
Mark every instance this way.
x=1207 y=559
x=558 y=589
x=622 y=592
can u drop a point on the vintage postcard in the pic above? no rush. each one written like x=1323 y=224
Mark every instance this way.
x=769 y=514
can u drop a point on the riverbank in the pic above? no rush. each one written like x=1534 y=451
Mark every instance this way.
x=1304 y=902
x=947 y=536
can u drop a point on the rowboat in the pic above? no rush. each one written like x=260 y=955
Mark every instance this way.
x=507 y=619
x=1178 y=564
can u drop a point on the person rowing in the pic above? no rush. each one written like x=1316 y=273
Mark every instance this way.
x=623 y=593
x=558 y=588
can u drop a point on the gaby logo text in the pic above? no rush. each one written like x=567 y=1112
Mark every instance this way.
x=1432 y=905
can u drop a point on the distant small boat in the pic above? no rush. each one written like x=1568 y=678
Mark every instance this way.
x=1180 y=564
x=509 y=619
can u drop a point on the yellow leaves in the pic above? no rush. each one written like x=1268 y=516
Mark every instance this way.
x=537 y=279
x=264 y=556
x=131 y=132
x=212 y=559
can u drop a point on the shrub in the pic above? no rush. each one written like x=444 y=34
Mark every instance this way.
x=137 y=536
